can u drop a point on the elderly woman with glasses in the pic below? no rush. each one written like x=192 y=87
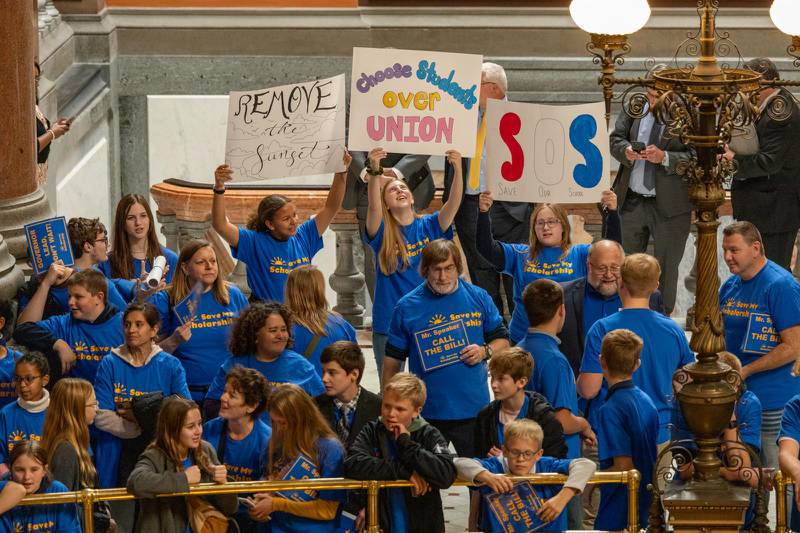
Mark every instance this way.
x=549 y=253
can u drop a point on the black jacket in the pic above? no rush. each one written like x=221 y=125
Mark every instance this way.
x=572 y=336
x=539 y=410
x=368 y=408
x=424 y=451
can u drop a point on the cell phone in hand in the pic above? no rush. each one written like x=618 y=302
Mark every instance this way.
x=248 y=502
x=638 y=147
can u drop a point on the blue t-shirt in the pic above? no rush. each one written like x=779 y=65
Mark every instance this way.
x=553 y=378
x=754 y=313
x=665 y=350
x=118 y=381
x=114 y=297
x=628 y=426
x=336 y=329
x=269 y=260
x=330 y=461
x=389 y=289
x=90 y=342
x=8 y=392
x=597 y=306
x=790 y=429
x=289 y=367
x=545 y=465
x=431 y=330
x=548 y=264
x=59 y=518
x=136 y=265
x=18 y=425
x=207 y=348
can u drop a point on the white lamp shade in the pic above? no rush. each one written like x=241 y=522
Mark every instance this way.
x=786 y=16
x=610 y=17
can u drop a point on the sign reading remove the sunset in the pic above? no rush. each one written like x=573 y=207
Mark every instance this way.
x=293 y=130
x=542 y=153
x=414 y=102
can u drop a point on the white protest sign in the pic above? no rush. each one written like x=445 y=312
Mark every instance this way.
x=414 y=102
x=292 y=130
x=542 y=153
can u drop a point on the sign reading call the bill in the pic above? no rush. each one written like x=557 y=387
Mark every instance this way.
x=441 y=345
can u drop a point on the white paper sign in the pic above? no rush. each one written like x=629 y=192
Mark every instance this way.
x=414 y=102
x=542 y=153
x=292 y=130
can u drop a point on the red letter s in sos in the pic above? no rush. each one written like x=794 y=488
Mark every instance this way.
x=510 y=125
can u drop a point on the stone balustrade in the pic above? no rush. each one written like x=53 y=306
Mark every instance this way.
x=48 y=16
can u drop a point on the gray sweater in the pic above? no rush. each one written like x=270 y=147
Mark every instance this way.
x=155 y=474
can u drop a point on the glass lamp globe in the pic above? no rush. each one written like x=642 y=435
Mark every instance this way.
x=610 y=17
x=785 y=15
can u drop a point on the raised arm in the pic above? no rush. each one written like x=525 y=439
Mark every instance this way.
x=56 y=275
x=448 y=212
x=335 y=196
x=219 y=221
x=490 y=249
x=374 y=213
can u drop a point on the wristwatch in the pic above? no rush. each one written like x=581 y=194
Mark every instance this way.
x=733 y=424
x=376 y=172
x=489 y=351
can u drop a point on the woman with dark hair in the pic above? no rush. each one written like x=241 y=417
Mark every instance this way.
x=135 y=245
x=201 y=342
x=46 y=133
x=273 y=234
x=177 y=458
x=260 y=340
x=136 y=368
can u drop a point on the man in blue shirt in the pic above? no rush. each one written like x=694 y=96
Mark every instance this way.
x=761 y=312
x=665 y=346
x=447 y=328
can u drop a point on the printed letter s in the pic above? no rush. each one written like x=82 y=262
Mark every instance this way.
x=510 y=125
x=581 y=131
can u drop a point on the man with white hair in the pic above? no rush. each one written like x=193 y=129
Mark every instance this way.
x=510 y=220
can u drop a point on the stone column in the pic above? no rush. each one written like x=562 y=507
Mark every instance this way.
x=347 y=280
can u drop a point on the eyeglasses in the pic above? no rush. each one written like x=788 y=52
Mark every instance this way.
x=27 y=380
x=104 y=240
x=605 y=269
x=449 y=269
x=516 y=454
x=549 y=222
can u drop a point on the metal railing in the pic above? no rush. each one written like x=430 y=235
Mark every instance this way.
x=87 y=497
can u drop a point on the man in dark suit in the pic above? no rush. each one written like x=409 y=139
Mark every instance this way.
x=587 y=300
x=413 y=169
x=766 y=186
x=653 y=198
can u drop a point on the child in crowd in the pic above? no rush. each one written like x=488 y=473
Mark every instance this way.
x=402 y=445
x=80 y=339
x=24 y=419
x=177 y=458
x=28 y=463
x=273 y=243
x=135 y=242
x=315 y=326
x=627 y=430
x=260 y=339
x=238 y=435
x=8 y=356
x=300 y=437
x=397 y=235
x=200 y=341
x=510 y=370
x=136 y=368
x=522 y=455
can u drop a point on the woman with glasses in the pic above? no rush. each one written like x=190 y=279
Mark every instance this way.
x=549 y=254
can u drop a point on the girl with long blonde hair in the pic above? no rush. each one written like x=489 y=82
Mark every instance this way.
x=397 y=234
x=315 y=326
x=201 y=341
x=300 y=435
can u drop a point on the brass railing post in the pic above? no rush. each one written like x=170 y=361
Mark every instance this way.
x=87 y=499
x=633 y=480
x=373 y=524
x=781 y=524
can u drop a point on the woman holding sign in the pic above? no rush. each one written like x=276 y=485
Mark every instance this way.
x=272 y=243
x=397 y=234
x=197 y=311
x=302 y=446
x=549 y=254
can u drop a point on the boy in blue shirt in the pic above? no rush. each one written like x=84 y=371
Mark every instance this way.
x=522 y=456
x=80 y=340
x=789 y=454
x=447 y=328
x=627 y=430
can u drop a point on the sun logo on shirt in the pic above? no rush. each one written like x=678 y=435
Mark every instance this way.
x=80 y=346
x=16 y=437
x=18 y=528
x=119 y=388
x=436 y=319
x=277 y=261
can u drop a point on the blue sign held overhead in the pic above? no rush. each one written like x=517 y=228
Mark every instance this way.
x=48 y=242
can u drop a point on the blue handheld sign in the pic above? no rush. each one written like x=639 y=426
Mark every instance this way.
x=441 y=345
x=48 y=242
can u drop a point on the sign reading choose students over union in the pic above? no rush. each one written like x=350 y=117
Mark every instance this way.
x=414 y=102
x=543 y=153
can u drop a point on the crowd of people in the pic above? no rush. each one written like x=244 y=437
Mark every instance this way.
x=109 y=384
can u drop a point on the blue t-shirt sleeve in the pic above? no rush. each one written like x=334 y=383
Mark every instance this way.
x=245 y=249
x=433 y=229
x=510 y=255
x=57 y=325
x=217 y=386
x=160 y=301
x=376 y=240
x=308 y=234
x=558 y=385
x=66 y=514
x=784 y=301
x=331 y=465
x=612 y=435
x=178 y=384
x=398 y=335
x=104 y=384
x=491 y=316
x=552 y=465
x=238 y=300
x=172 y=262
x=313 y=384
x=590 y=364
x=350 y=331
x=790 y=421
x=125 y=287
x=748 y=415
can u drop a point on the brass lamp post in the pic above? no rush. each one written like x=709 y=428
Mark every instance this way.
x=702 y=104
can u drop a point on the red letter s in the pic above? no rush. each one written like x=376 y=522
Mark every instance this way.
x=510 y=125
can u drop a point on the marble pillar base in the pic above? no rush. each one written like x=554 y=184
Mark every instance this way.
x=11 y=276
x=15 y=213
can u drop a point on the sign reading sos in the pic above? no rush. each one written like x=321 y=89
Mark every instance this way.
x=538 y=153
